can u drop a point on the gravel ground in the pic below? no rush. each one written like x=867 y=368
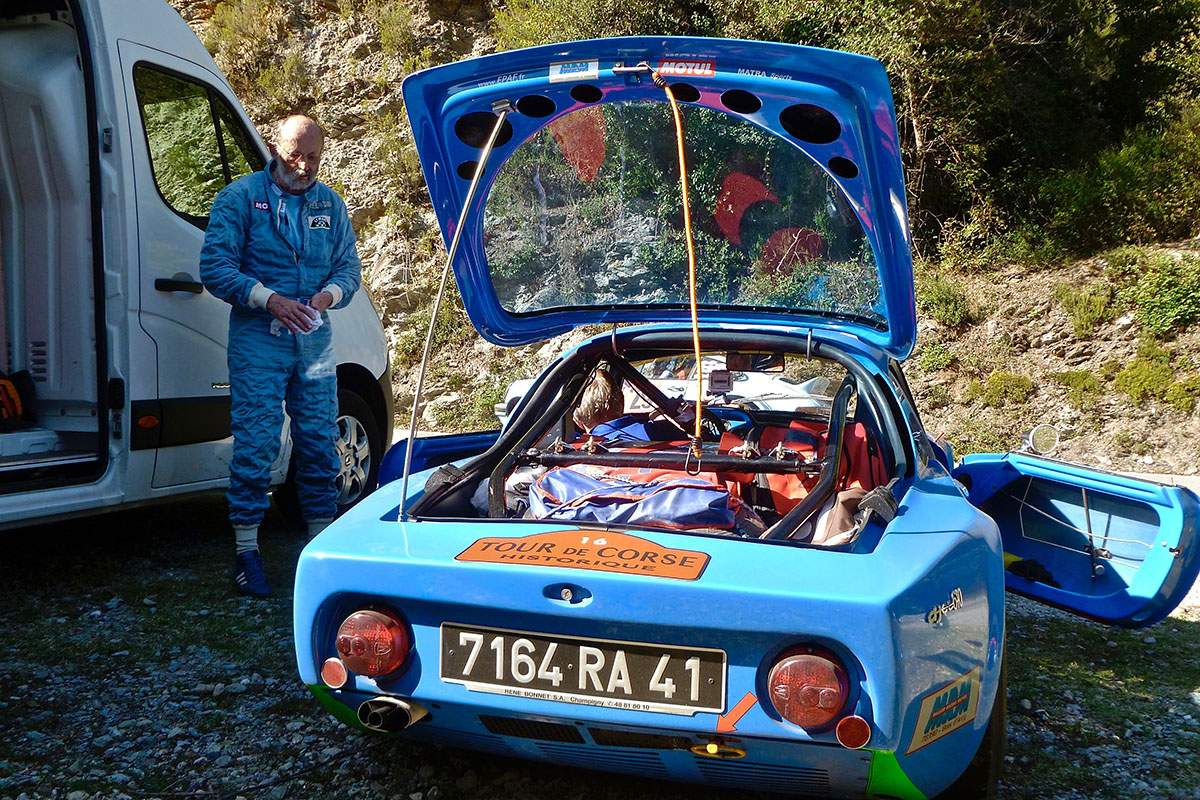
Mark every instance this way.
x=128 y=669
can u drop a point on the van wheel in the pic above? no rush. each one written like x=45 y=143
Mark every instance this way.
x=979 y=780
x=359 y=450
x=359 y=447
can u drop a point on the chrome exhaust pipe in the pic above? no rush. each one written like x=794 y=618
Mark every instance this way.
x=390 y=714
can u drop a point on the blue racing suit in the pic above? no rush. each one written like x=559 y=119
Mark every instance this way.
x=246 y=257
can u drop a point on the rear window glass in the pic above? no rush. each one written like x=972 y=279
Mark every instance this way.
x=588 y=213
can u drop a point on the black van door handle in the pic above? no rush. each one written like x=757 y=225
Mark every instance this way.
x=177 y=285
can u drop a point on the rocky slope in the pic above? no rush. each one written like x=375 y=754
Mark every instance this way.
x=347 y=60
x=1024 y=329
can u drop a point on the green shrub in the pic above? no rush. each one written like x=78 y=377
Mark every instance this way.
x=1001 y=389
x=1087 y=306
x=935 y=356
x=944 y=300
x=475 y=413
x=1163 y=288
x=980 y=439
x=1081 y=385
x=285 y=84
x=452 y=327
x=937 y=396
x=1143 y=189
x=1130 y=444
x=1124 y=262
x=1166 y=294
x=396 y=35
x=243 y=36
x=1152 y=351
x=971 y=246
x=985 y=241
x=1108 y=369
x=1143 y=379
x=1182 y=394
x=393 y=23
x=396 y=158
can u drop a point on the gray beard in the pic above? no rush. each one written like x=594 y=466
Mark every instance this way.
x=292 y=180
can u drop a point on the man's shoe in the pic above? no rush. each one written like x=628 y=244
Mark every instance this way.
x=249 y=575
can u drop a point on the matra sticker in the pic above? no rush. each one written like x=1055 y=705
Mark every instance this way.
x=704 y=69
x=321 y=221
x=937 y=613
x=947 y=709
x=564 y=71
x=578 y=549
x=262 y=205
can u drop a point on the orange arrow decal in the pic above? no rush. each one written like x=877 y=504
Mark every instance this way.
x=728 y=722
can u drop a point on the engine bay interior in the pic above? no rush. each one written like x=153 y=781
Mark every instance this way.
x=798 y=445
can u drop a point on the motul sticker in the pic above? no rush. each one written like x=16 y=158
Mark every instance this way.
x=564 y=71
x=262 y=205
x=946 y=710
x=577 y=549
x=704 y=69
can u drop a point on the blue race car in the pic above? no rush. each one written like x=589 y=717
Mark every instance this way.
x=805 y=597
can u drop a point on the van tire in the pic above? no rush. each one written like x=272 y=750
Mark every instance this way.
x=359 y=449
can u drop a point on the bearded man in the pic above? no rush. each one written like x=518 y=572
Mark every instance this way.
x=280 y=250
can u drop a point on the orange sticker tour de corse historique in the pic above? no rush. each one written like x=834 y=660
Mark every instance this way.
x=602 y=551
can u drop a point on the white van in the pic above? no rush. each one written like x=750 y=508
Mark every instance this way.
x=117 y=130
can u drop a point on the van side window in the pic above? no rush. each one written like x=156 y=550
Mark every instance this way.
x=197 y=144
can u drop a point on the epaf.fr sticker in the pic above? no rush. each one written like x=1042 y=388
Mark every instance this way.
x=946 y=710
x=319 y=222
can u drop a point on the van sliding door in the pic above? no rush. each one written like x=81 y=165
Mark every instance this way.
x=46 y=258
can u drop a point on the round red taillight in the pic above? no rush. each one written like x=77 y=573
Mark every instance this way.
x=853 y=732
x=808 y=687
x=333 y=672
x=372 y=643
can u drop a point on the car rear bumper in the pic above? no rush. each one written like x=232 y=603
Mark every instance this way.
x=800 y=768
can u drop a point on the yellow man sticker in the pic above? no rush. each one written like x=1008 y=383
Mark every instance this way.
x=946 y=710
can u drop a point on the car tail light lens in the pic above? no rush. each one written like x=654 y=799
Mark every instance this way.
x=808 y=687
x=853 y=732
x=372 y=643
x=333 y=672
